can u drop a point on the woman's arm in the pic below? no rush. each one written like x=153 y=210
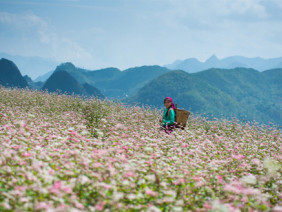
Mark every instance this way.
x=171 y=116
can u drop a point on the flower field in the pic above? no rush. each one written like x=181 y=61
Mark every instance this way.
x=63 y=153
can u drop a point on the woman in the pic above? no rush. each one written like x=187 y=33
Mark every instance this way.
x=168 y=118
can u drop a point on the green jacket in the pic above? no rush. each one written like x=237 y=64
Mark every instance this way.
x=170 y=119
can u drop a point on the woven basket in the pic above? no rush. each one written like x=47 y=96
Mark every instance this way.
x=181 y=117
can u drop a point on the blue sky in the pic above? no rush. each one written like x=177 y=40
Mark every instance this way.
x=125 y=33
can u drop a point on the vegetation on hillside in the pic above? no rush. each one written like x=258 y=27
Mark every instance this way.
x=63 y=153
x=242 y=93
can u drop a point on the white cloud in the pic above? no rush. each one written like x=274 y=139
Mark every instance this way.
x=40 y=37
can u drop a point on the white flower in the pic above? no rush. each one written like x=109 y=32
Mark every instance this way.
x=250 y=179
x=83 y=179
x=125 y=182
x=117 y=196
x=148 y=149
x=150 y=177
x=131 y=196
x=177 y=209
x=277 y=208
x=153 y=209
x=219 y=207
x=141 y=181
x=84 y=132
x=271 y=165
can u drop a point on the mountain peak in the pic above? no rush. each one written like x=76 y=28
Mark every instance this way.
x=10 y=75
x=212 y=58
x=66 y=66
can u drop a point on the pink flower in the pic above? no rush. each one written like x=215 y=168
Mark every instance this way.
x=73 y=132
x=256 y=161
x=99 y=206
x=20 y=188
x=185 y=145
x=57 y=185
x=179 y=181
x=125 y=147
x=17 y=147
x=119 y=126
x=129 y=174
x=207 y=205
x=41 y=205
x=51 y=171
x=67 y=189
x=238 y=157
x=219 y=178
x=277 y=208
x=62 y=207
x=151 y=193
x=25 y=154
x=79 y=205
x=97 y=164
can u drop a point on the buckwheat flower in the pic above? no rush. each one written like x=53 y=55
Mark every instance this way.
x=170 y=193
x=250 y=191
x=168 y=199
x=125 y=182
x=151 y=193
x=119 y=126
x=62 y=207
x=249 y=179
x=79 y=205
x=131 y=196
x=99 y=206
x=271 y=165
x=277 y=208
x=238 y=157
x=150 y=177
x=219 y=178
x=26 y=154
x=83 y=179
x=129 y=174
x=256 y=161
x=217 y=206
x=41 y=206
x=84 y=132
x=117 y=196
x=153 y=208
x=67 y=189
x=125 y=147
x=7 y=205
x=141 y=181
x=177 y=208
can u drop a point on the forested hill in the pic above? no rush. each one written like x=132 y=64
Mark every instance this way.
x=245 y=93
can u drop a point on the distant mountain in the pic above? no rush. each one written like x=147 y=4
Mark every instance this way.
x=32 y=84
x=245 y=93
x=31 y=66
x=113 y=82
x=128 y=82
x=62 y=82
x=193 y=65
x=43 y=77
x=10 y=76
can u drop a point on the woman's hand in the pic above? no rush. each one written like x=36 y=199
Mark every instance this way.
x=161 y=120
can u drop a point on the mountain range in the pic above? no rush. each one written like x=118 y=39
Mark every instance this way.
x=193 y=65
x=31 y=66
x=113 y=82
x=62 y=82
x=244 y=93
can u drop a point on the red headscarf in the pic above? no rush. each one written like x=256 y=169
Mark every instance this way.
x=170 y=99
